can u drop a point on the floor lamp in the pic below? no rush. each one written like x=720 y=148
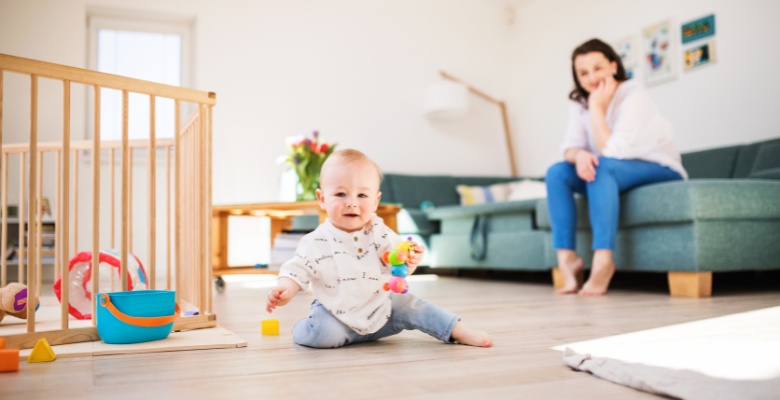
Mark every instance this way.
x=449 y=100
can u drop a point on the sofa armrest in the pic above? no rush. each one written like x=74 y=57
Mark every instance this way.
x=509 y=207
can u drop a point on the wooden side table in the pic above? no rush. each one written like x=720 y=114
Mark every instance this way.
x=281 y=215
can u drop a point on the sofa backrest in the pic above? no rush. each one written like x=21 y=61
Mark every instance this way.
x=412 y=190
x=755 y=160
x=712 y=163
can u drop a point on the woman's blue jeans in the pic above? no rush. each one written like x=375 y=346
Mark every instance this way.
x=323 y=330
x=613 y=176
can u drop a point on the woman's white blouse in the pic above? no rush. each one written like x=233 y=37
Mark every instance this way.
x=639 y=131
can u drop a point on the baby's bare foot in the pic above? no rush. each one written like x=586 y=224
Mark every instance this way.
x=572 y=276
x=471 y=337
x=598 y=282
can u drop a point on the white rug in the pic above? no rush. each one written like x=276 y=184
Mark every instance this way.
x=732 y=357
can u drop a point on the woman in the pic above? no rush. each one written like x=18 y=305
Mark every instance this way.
x=615 y=141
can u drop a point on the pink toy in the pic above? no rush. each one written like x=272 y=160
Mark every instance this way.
x=80 y=279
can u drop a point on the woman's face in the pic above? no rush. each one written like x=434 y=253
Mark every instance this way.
x=592 y=68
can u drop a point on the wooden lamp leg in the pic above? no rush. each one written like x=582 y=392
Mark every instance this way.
x=690 y=284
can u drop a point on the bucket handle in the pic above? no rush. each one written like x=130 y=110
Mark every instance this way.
x=148 y=322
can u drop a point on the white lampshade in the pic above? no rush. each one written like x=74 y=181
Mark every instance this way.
x=446 y=100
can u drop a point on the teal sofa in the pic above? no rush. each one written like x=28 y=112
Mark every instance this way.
x=726 y=217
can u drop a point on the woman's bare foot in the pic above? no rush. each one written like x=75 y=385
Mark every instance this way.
x=600 y=274
x=464 y=335
x=570 y=267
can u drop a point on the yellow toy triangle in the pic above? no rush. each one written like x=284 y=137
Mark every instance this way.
x=42 y=352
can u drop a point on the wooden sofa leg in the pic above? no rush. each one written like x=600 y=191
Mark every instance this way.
x=557 y=278
x=690 y=284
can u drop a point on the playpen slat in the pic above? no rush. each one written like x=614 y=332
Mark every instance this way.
x=75 y=202
x=112 y=202
x=35 y=211
x=57 y=214
x=96 y=202
x=64 y=211
x=39 y=224
x=4 y=210
x=130 y=201
x=167 y=216
x=204 y=231
x=177 y=194
x=125 y=191
x=22 y=212
x=207 y=209
x=4 y=201
x=152 y=155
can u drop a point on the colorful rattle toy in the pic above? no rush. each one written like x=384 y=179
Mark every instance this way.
x=397 y=258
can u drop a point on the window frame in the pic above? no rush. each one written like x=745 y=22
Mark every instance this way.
x=137 y=23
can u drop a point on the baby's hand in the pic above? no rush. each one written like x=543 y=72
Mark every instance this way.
x=415 y=255
x=278 y=297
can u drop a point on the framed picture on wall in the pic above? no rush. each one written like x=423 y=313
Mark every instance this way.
x=628 y=51
x=699 y=55
x=698 y=29
x=659 y=54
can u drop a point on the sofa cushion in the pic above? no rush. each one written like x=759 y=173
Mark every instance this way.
x=768 y=156
x=745 y=160
x=701 y=199
x=713 y=163
x=686 y=201
x=773 y=173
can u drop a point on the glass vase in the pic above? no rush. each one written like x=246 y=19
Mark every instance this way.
x=307 y=188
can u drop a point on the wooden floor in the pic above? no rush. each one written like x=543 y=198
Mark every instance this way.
x=525 y=319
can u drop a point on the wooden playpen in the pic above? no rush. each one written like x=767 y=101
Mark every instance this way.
x=186 y=179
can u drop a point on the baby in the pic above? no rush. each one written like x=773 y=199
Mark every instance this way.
x=341 y=260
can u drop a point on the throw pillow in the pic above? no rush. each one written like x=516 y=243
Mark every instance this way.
x=527 y=189
x=471 y=195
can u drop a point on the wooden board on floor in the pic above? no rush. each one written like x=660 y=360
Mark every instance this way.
x=198 y=339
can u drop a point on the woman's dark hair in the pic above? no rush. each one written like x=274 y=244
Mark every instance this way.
x=579 y=94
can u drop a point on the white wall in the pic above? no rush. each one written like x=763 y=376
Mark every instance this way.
x=355 y=70
x=735 y=100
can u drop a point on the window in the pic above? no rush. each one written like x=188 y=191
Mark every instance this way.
x=156 y=51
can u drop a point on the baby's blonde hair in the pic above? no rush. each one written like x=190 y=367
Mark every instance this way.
x=350 y=156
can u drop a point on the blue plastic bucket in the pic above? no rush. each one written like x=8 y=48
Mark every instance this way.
x=137 y=316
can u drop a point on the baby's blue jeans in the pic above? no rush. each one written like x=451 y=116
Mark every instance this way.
x=613 y=176
x=322 y=330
